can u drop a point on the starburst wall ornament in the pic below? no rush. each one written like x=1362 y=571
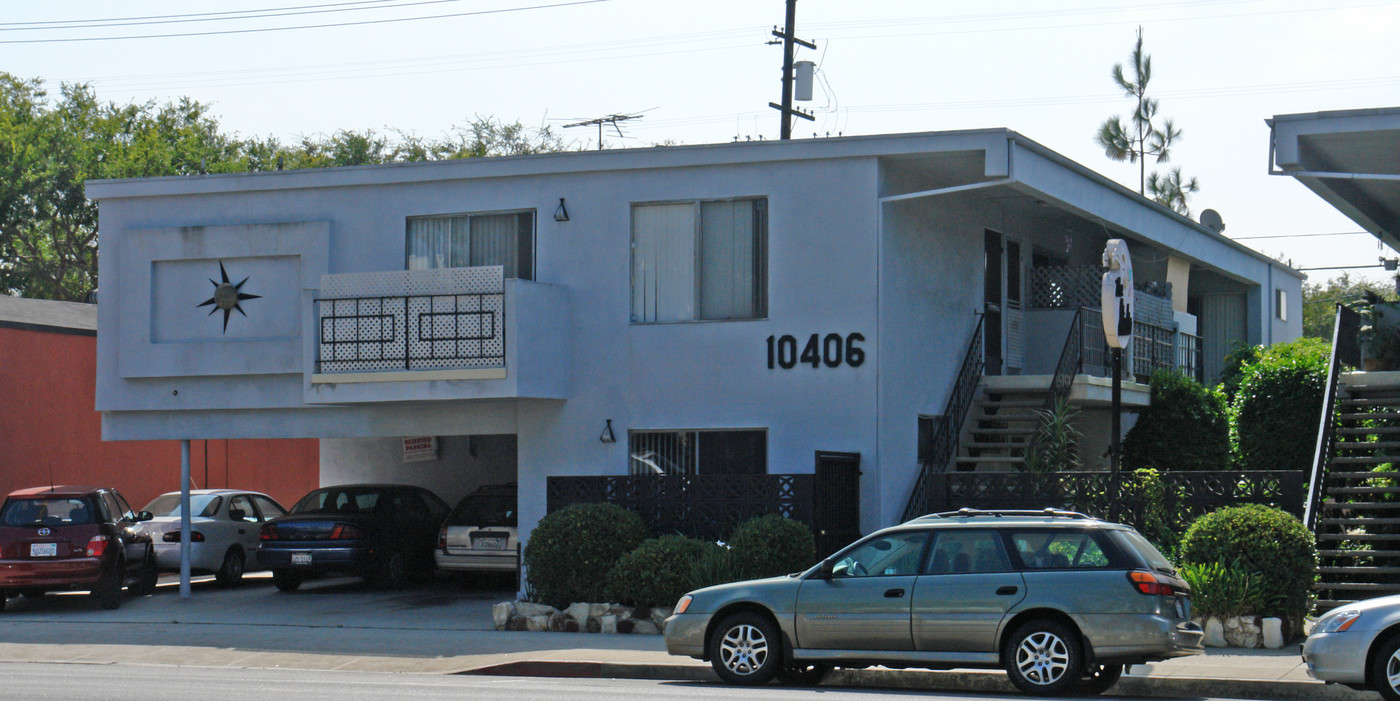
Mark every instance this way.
x=227 y=296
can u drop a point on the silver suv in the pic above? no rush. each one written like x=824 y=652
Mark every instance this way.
x=1059 y=600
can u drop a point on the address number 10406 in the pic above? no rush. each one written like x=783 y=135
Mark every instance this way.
x=831 y=350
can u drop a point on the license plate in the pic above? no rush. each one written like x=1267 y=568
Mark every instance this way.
x=489 y=543
x=301 y=558
x=43 y=549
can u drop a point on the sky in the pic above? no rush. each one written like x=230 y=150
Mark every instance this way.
x=703 y=72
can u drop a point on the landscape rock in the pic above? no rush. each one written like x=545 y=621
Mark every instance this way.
x=526 y=608
x=537 y=624
x=626 y=625
x=1273 y=633
x=645 y=628
x=659 y=616
x=607 y=623
x=592 y=625
x=579 y=612
x=501 y=614
x=1215 y=632
x=558 y=621
x=518 y=623
x=1243 y=631
x=596 y=610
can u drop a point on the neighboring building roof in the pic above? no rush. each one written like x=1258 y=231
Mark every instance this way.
x=1350 y=158
x=48 y=315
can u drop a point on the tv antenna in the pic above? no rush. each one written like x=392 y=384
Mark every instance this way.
x=612 y=119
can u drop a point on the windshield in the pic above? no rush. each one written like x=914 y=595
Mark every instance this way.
x=202 y=505
x=63 y=511
x=338 y=500
x=489 y=510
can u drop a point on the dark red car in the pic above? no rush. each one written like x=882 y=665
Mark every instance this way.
x=73 y=538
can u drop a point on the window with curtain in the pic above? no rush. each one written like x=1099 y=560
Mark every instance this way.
x=467 y=240
x=700 y=260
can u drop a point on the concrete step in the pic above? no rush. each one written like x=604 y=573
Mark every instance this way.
x=1362 y=416
x=1027 y=403
x=1376 y=431
x=983 y=459
x=1001 y=431
x=1367 y=445
x=1359 y=571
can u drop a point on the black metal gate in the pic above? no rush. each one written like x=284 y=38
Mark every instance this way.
x=836 y=501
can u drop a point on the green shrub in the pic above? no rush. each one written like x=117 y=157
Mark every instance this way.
x=1240 y=356
x=1222 y=590
x=716 y=565
x=1256 y=538
x=1278 y=406
x=771 y=545
x=1056 y=447
x=1184 y=428
x=1151 y=507
x=656 y=573
x=570 y=552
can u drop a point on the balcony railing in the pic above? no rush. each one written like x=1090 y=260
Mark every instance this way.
x=451 y=319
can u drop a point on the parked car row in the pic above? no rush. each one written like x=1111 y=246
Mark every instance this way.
x=89 y=538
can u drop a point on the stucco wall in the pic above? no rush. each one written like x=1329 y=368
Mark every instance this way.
x=50 y=433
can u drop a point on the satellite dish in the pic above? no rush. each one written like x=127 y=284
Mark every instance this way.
x=1211 y=220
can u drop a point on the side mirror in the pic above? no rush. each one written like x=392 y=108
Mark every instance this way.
x=144 y=516
x=823 y=570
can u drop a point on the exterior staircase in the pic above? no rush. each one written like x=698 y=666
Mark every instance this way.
x=1358 y=521
x=998 y=429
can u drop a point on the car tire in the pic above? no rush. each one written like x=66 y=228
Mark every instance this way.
x=745 y=649
x=108 y=591
x=802 y=675
x=1385 y=669
x=150 y=574
x=1044 y=658
x=1098 y=678
x=392 y=571
x=230 y=574
x=286 y=581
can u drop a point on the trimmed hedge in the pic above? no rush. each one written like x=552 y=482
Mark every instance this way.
x=1185 y=427
x=769 y=546
x=657 y=573
x=1259 y=539
x=571 y=551
x=1278 y=406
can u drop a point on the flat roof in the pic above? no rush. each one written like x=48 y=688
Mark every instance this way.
x=48 y=315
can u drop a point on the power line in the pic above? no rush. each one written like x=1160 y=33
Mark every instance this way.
x=191 y=17
x=305 y=26
x=1303 y=236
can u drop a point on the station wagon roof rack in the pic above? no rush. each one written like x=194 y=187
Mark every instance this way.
x=1000 y=513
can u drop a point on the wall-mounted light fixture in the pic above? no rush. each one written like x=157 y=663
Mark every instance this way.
x=607 y=435
x=561 y=214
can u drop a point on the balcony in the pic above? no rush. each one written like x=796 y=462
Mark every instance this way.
x=1159 y=341
x=452 y=333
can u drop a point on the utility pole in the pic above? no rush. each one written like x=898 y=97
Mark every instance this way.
x=789 y=37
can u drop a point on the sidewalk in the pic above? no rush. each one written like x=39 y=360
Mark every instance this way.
x=442 y=629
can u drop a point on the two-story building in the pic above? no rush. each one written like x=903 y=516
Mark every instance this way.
x=751 y=308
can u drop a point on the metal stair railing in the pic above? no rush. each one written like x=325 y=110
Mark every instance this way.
x=1344 y=349
x=1071 y=363
x=943 y=443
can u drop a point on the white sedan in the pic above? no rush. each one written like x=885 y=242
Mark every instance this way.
x=224 y=525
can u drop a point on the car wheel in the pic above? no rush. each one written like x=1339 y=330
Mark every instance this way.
x=108 y=591
x=286 y=581
x=392 y=571
x=1385 y=670
x=1043 y=658
x=1098 y=678
x=150 y=574
x=230 y=574
x=745 y=649
x=803 y=675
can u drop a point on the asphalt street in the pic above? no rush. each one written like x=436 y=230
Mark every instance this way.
x=25 y=682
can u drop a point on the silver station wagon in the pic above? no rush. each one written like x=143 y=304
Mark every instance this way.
x=1059 y=600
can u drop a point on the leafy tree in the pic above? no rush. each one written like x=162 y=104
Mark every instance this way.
x=1278 y=404
x=1183 y=428
x=50 y=146
x=1320 y=301
x=1145 y=137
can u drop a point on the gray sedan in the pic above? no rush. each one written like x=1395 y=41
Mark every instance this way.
x=1358 y=645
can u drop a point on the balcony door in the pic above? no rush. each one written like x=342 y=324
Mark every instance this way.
x=992 y=302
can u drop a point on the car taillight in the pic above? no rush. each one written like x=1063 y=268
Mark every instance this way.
x=346 y=531
x=174 y=537
x=1150 y=584
x=268 y=532
x=442 y=539
x=97 y=545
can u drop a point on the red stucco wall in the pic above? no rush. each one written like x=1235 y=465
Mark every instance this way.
x=49 y=432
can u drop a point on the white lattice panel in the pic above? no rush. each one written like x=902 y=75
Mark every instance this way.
x=441 y=319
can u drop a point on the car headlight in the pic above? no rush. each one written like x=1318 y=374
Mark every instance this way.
x=683 y=604
x=1339 y=622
